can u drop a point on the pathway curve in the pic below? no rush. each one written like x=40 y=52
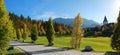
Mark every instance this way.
x=33 y=49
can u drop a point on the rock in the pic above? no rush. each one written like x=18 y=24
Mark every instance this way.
x=88 y=48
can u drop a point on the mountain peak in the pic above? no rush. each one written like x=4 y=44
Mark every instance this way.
x=69 y=22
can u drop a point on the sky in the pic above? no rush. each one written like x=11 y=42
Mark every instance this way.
x=43 y=9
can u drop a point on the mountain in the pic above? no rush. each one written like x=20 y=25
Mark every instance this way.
x=69 y=22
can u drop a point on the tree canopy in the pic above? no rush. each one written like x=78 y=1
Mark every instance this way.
x=77 y=32
x=6 y=28
x=50 y=32
x=115 y=41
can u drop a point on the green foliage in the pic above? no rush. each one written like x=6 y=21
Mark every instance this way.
x=20 y=20
x=87 y=34
x=34 y=33
x=77 y=32
x=6 y=28
x=19 y=34
x=50 y=31
x=14 y=35
x=25 y=32
x=115 y=41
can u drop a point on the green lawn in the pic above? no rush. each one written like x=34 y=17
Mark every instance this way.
x=15 y=52
x=100 y=44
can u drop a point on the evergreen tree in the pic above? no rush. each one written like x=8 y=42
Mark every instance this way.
x=34 y=33
x=6 y=28
x=77 y=32
x=19 y=34
x=22 y=17
x=18 y=22
x=25 y=32
x=50 y=32
x=29 y=19
x=14 y=35
x=115 y=41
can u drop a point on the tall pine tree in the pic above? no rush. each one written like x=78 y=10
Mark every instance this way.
x=34 y=33
x=25 y=32
x=50 y=32
x=6 y=28
x=115 y=41
x=77 y=32
x=18 y=33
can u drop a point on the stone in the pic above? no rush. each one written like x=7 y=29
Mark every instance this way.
x=88 y=48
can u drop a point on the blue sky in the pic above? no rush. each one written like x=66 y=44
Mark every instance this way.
x=43 y=9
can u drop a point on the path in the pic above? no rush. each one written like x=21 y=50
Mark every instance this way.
x=33 y=49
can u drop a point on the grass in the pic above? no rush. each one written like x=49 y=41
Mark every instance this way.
x=15 y=52
x=100 y=44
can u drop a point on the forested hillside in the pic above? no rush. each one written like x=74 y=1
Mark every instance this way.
x=20 y=21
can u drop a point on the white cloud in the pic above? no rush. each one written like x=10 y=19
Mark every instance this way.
x=66 y=16
x=45 y=16
x=49 y=14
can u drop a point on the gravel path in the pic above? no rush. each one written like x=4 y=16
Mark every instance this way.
x=33 y=49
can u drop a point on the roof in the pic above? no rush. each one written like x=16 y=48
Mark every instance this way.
x=105 y=19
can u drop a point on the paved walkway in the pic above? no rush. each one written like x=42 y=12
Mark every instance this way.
x=33 y=49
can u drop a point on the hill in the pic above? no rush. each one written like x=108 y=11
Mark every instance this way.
x=69 y=22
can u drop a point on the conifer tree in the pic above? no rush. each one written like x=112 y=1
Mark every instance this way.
x=14 y=36
x=77 y=32
x=6 y=28
x=18 y=33
x=50 y=32
x=25 y=32
x=115 y=41
x=34 y=33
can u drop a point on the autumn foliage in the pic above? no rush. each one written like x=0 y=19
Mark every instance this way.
x=77 y=32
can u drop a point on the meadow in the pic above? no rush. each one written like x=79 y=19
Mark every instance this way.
x=99 y=44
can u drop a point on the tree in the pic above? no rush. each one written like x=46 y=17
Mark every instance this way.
x=19 y=34
x=50 y=32
x=29 y=19
x=22 y=17
x=25 y=32
x=14 y=35
x=115 y=41
x=6 y=28
x=77 y=32
x=34 y=33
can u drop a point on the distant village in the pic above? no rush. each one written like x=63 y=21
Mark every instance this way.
x=105 y=30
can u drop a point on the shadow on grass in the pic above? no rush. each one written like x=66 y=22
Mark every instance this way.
x=40 y=44
x=86 y=51
x=112 y=53
x=16 y=54
x=68 y=48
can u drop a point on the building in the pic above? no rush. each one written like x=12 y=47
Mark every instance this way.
x=105 y=21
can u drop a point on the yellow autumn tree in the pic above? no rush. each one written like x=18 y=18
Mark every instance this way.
x=77 y=32
x=6 y=29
